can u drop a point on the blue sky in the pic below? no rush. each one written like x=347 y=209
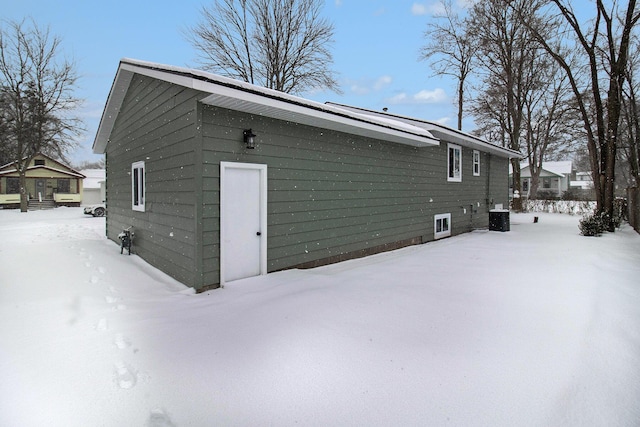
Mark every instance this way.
x=376 y=50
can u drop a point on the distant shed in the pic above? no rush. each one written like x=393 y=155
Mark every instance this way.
x=94 y=186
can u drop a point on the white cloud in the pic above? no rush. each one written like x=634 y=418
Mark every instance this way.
x=359 y=89
x=466 y=4
x=338 y=3
x=437 y=8
x=400 y=98
x=382 y=82
x=435 y=96
x=418 y=9
x=367 y=85
x=443 y=120
x=430 y=96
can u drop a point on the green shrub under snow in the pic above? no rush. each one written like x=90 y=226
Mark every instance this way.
x=597 y=223
x=593 y=225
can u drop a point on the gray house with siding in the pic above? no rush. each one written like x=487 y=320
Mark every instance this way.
x=223 y=180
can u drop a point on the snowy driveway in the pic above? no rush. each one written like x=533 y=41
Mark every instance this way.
x=535 y=327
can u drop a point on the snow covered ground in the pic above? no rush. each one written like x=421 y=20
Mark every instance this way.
x=535 y=327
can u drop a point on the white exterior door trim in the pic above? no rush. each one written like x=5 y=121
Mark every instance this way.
x=224 y=166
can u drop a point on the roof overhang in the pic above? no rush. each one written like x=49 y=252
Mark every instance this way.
x=441 y=132
x=40 y=167
x=239 y=96
x=525 y=171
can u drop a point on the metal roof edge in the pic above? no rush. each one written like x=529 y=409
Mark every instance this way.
x=444 y=131
x=279 y=104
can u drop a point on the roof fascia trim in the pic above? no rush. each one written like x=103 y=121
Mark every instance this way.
x=442 y=132
x=111 y=110
x=275 y=105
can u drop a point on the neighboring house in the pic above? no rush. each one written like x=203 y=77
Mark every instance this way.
x=93 y=186
x=555 y=178
x=223 y=180
x=48 y=182
x=583 y=181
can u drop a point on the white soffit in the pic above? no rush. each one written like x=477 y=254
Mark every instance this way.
x=338 y=121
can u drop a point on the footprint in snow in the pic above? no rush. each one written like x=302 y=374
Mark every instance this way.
x=111 y=300
x=126 y=377
x=102 y=325
x=120 y=307
x=121 y=341
x=94 y=280
x=158 y=418
x=102 y=270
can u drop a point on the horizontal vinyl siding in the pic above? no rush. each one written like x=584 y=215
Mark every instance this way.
x=156 y=125
x=330 y=193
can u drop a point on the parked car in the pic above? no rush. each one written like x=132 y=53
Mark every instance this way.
x=96 y=210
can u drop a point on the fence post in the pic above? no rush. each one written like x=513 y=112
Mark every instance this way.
x=633 y=202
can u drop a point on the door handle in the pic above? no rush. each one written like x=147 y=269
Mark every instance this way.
x=258 y=234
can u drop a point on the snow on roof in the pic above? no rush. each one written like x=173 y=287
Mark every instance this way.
x=93 y=177
x=240 y=96
x=560 y=168
x=436 y=129
x=581 y=184
x=70 y=172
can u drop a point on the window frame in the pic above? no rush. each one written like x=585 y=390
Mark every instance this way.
x=445 y=220
x=476 y=163
x=138 y=186
x=12 y=183
x=63 y=184
x=451 y=163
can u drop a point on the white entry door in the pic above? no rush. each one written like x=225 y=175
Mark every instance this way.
x=243 y=220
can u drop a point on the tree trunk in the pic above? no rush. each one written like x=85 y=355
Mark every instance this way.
x=534 y=185
x=609 y=184
x=517 y=201
x=24 y=201
x=460 y=102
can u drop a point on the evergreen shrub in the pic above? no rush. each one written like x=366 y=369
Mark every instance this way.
x=593 y=224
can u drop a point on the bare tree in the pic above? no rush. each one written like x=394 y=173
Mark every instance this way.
x=630 y=126
x=510 y=63
x=88 y=164
x=604 y=50
x=549 y=118
x=279 y=44
x=36 y=92
x=450 y=51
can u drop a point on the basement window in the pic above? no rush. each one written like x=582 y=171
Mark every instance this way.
x=454 y=163
x=137 y=186
x=442 y=226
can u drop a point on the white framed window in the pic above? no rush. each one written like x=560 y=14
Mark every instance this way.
x=137 y=186
x=454 y=163
x=476 y=163
x=442 y=226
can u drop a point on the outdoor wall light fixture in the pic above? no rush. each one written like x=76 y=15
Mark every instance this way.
x=249 y=138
